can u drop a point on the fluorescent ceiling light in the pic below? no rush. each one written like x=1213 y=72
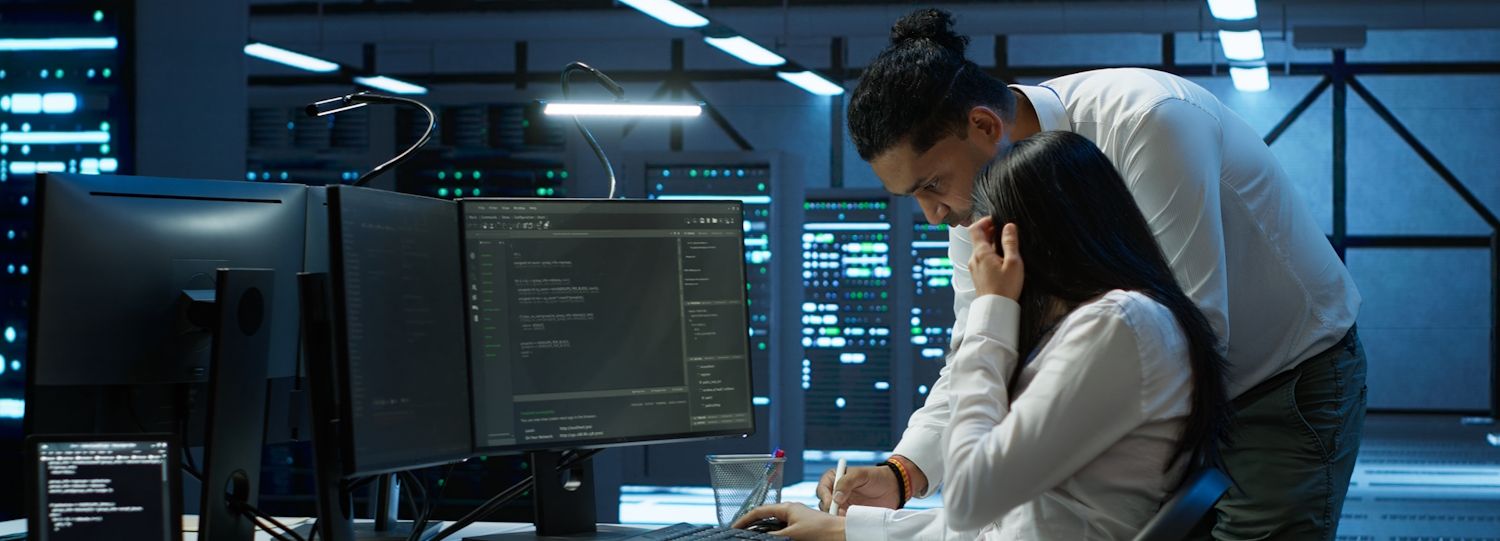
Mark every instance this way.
x=290 y=58
x=1251 y=79
x=58 y=44
x=1232 y=10
x=621 y=109
x=747 y=50
x=395 y=86
x=668 y=12
x=811 y=82
x=1242 y=46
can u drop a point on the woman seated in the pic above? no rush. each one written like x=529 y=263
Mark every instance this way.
x=1081 y=400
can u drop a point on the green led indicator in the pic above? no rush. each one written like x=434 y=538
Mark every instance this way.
x=476 y=175
x=103 y=126
x=104 y=149
x=476 y=192
x=59 y=73
x=106 y=73
x=692 y=172
x=525 y=123
x=761 y=186
x=761 y=345
x=442 y=192
x=98 y=15
x=458 y=175
x=551 y=173
x=541 y=191
x=458 y=192
x=442 y=175
x=749 y=302
x=564 y=174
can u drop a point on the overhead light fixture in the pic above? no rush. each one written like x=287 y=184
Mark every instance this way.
x=1232 y=10
x=1242 y=46
x=668 y=12
x=811 y=82
x=58 y=44
x=290 y=58
x=746 y=50
x=573 y=108
x=1255 y=79
x=394 y=86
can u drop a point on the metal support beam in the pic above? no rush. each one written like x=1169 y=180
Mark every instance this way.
x=660 y=92
x=837 y=53
x=1007 y=73
x=678 y=79
x=1296 y=112
x=521 y=65
x=1426 y=155
x=718 y=118
x=1002 y=60
x=1416 y=241
x=1340 y=145
x=1168 y=49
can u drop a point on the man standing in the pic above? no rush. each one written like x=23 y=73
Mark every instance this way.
x=1239 y=240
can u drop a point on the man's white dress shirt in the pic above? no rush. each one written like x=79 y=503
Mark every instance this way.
x=1240 y=240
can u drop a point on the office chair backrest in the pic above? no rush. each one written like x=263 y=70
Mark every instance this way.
x=1186 y=507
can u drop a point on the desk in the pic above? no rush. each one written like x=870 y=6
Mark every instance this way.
x=478 y=528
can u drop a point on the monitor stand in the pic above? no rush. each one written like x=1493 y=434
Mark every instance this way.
x=563 y=504
x=238 y=313
x=335 y=503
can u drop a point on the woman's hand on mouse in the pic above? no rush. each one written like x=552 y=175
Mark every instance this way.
x=803 y=523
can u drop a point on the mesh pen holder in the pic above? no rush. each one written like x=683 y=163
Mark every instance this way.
x=744 y=482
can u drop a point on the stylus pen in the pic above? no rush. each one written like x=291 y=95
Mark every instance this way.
x=833 y=507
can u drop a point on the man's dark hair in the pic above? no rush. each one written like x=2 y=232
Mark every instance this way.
x=1082 y=236
x=921 y=88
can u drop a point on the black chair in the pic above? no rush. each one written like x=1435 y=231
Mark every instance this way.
x=1186 y=507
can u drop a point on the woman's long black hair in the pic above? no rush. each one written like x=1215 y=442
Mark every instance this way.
x=1082 y=235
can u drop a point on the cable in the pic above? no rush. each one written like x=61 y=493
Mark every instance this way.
x=614 y=88
x=256 y=515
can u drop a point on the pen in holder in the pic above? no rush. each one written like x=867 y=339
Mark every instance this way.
x=744 y=482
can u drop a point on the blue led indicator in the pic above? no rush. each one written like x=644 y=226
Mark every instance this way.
x=25 y=200
x=90 y=73
x=25 y=270
x=11 y=234
x=103 y=126
x=10 y=334
x=10 y=269
x=250 y=175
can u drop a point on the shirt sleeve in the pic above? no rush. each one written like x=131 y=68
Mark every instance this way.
x=922 y=442
x=881 y=524
x=1084 y=398
x=1171 y=161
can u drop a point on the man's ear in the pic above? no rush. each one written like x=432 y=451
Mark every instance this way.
x=986 y=125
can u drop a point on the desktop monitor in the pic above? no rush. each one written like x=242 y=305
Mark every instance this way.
x=87 y=487
x=116 y=254
x=401 y=376
x=604 y=322
x=119 y=259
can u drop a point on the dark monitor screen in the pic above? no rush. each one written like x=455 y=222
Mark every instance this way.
x=596 y=322
x=96 y=487
x=396 y=277
x=116 y=255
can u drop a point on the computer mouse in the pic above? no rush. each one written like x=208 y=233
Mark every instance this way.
x=768 y=524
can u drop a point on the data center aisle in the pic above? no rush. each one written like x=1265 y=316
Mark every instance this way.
x=1417 y=477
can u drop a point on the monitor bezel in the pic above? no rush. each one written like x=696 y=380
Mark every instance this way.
x=601 y=443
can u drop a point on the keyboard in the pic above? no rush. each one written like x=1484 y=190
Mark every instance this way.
x=690 y=532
